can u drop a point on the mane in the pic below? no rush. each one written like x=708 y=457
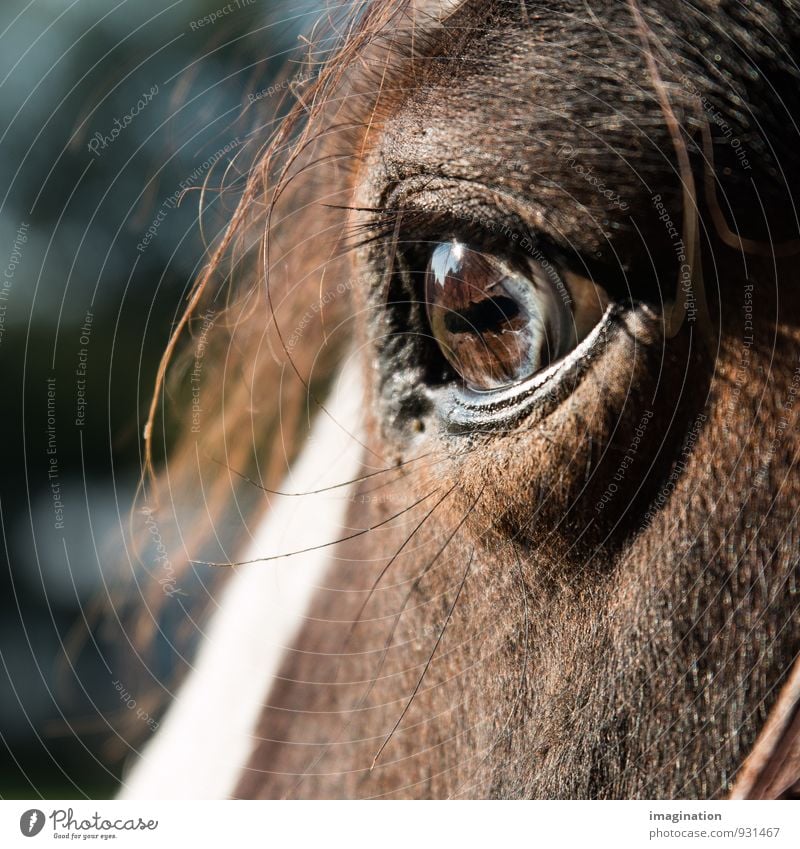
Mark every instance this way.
x=254 y=343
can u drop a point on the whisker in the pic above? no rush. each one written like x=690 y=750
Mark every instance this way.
x=386 y=568
x=520 y=688
x=349 y=636
x=417 y=581
x=387 y=644
x=359 y=479
x=412 y=590
x=442 y=457
x=314 y=547
x=427 y=665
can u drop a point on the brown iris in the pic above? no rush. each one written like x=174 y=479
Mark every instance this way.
x=495 y=327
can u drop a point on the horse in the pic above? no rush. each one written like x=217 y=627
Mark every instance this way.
x=501 y=437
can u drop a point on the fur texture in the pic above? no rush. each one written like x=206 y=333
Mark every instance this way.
x=497 y=634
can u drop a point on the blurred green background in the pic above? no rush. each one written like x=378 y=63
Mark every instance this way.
x=107 y=111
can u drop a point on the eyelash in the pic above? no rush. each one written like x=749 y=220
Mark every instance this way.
x=412 y=232
x=405 y=235
x=497 y=230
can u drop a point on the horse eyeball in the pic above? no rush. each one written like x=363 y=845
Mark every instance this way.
x=494 y=326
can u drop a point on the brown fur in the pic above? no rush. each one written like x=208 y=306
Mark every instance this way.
x=567 y=652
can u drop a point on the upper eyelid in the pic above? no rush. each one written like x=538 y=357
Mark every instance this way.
x=414 y=243
x=455 y=202
x=521 y=257
x=435 y=208
x=410 y=222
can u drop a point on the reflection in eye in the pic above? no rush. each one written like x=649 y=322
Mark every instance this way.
x=497 y=327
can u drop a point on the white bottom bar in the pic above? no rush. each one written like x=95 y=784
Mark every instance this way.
x=393 y=824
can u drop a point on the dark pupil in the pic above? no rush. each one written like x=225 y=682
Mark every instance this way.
x=489 y=314
x=484 y=319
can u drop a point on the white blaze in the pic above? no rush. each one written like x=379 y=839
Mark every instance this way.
x=207 y=734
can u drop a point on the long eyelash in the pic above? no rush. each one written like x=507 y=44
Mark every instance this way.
x=379 y=227
x=379 y=223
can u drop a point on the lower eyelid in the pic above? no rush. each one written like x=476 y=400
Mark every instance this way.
x=464 y=410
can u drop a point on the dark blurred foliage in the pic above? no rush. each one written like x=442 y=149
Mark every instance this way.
x=107 y=108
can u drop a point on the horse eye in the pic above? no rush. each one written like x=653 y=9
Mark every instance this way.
x=494 y=326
